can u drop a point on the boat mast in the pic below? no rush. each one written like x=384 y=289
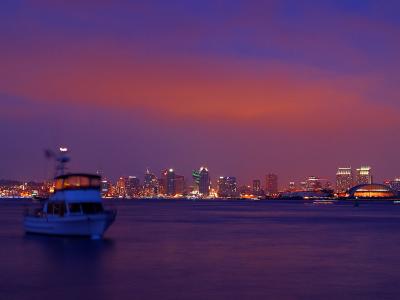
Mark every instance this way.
x=62 y=160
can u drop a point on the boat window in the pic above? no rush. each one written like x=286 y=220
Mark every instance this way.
x=59 y=184
x=71 y=182
x=56 y=208
x=92 y=208
x=74 y=208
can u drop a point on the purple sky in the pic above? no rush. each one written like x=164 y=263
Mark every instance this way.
x=295 y=88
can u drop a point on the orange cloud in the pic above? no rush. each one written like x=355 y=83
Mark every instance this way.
x=232 y=90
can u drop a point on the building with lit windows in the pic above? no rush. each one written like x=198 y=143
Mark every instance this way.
x=202 y=181
x=257 y=187
x=271 y=184
x=227 y=187
x=179 y=185
x=363 y=175
x=313 y=183
x=344 y=180
x=292 y=186
x=106 y=188
x=395 y=184
x=368 y=191
x=150 y=184
x=132 y=186
x=120 y=187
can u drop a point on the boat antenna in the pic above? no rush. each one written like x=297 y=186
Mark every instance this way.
x=61 y=158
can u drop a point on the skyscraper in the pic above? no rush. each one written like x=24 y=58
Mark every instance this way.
x=344 y=179
x=364 y=175
x=150 y=184
x=105 y=188
x=271 y=184
x=179 y=185
x=256 y=187
x=132 y=186
x=120 y=187
x=204 y=181
x=170 y=182
x=227 y=187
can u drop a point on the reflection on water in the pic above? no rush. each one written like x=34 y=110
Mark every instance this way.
x=210 y=250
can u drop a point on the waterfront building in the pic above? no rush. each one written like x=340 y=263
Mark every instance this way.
x=303 y=186
x=150 y=184
x=372 y=191
x=179 y=185
x=202 y=182
x=344 y=179
x=271 y=184
x=227 y=187
x=120 y=187
x=245 y=191
x=169 y=183
x=395 y=184
x=292 y=186
x=132 y=186
x=105 y=188
x=363 y=175
x=313 y=183
x=256 y=187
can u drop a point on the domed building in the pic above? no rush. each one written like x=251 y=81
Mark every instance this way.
x=372 y=191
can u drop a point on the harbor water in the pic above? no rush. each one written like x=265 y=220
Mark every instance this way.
x=181 y=249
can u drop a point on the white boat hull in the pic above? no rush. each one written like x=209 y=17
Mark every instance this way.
x=92 y=226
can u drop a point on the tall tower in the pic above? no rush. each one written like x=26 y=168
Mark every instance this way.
x=204 y=181
x=344 y=179
x=364 y=175
x=132 y=186
x=256 y=187
x=170 y=182
x=150 y=184
x=271 y=184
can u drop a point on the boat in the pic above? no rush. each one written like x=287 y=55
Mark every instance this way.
x=75 y=207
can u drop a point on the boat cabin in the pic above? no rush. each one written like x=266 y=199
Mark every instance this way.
x=77 y=181
x=75 y=194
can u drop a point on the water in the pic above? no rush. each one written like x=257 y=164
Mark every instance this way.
x=210 y=250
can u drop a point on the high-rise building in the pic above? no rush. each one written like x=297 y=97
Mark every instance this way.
x=271 y=184
x=344 y=179
x=395 y=184
x=292 y=186
x=120 y=187
x=256 y=187
x=363 y=175
x=204 y=181
x=179 y=185
x=105 y=188
x=169 y=182
x=150 y=184
x=227 y=187
x=313 y=183
x=132 y=186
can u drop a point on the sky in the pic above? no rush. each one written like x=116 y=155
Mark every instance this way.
x=246 y=88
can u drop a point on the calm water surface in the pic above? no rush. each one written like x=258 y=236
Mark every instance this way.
x=210 y=250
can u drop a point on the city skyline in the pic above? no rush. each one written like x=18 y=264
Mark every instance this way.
x=346 y=177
